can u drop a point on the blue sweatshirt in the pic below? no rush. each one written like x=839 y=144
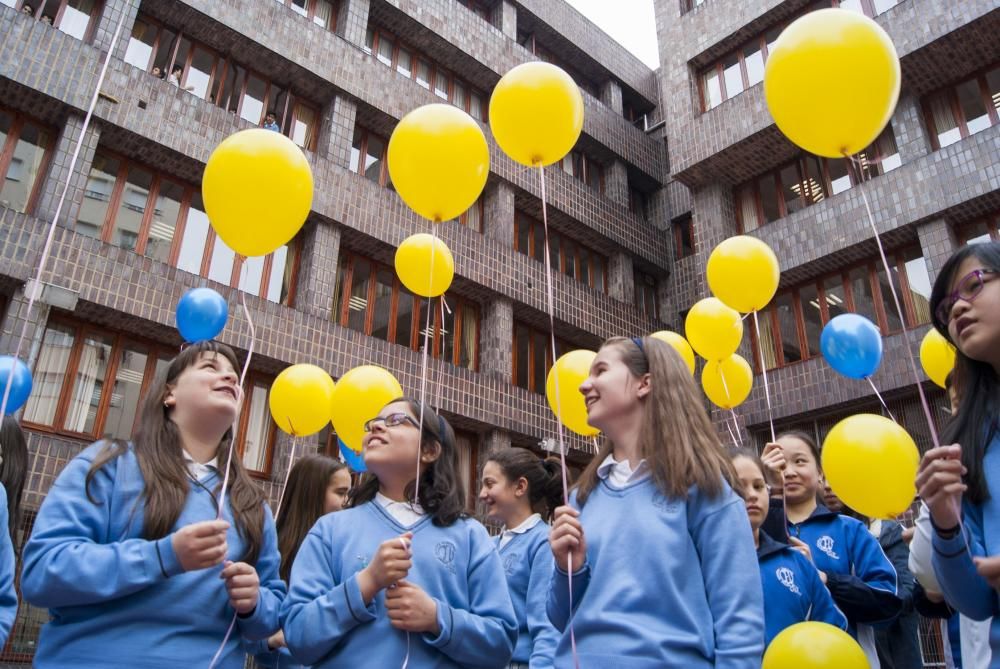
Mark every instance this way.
x=961 y=585
x=793 y=590
x=527 y=561
x=659 y=587
x=327 y=624
x=270 y=659
x=117 y=600
x=8 y=595
x=860 y=577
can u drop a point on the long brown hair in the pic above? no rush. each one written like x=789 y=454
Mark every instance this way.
x=13 y=471
x=159 y=451
x=544 y=477
x=304 y=502
x=677 y=439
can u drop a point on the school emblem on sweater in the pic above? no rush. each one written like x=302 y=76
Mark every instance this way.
x=825 y=544
x=445 y=553
x=509 y=562
x=787 y=578
x=664 y=504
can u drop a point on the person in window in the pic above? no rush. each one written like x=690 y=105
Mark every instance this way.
x=175 y=78
x=28 y=9
x=46 y=19
x=271 y=122
x=157 y=72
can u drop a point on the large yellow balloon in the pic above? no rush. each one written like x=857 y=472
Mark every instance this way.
x=743 y=273
x=727 y=382
x=713 y=329
x=438 y=161
x=258 y=191
x=814 y=645
x=871 y=463
x=680 y=345
x=358 y=396
x=301 y=399
x=569 y=406
x=937 y=356
x=832 y=81
x=425 y=265
x=536 y=113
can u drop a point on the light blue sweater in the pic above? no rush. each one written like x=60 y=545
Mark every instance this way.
x=527 y=561
x=120 y=601
x=327 y=624
x=8 y=595
x=667 y=583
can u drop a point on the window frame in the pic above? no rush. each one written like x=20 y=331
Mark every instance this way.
x=950 y=93
x=536 y=230
x=88 y=34
x=17 y=124
x=561 y=347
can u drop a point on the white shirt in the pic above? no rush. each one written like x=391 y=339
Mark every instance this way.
x=526 y=524
x=197 y=470
x=406 y=513
x=620 y=474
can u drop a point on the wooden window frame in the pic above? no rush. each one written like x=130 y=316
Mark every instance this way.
x=561 y=346
x=17 y=124
x=311 y=13
x=39 y=7
x=560 y=259
x=992 y=223
x=684 y=226
x=244 y=424
x=951 y=93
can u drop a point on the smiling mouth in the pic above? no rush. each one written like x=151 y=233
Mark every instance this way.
x=590 y=401
x=229 y=391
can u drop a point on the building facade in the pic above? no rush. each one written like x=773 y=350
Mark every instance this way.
x=133 y=235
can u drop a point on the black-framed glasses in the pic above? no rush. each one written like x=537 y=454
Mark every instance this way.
x=392 y=420
x=968 y=288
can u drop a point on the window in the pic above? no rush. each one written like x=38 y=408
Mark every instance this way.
x=368 y=156
x=408 y=62
x=964 y=109
x=321 y=12
x=256 y=430
x=369 y=298
x=530 y=42
x=152 y=214
x=478 y=8
x=809 y=180
x=637 y=202
x=683 y=236
x=472 y=217
x=533 y=357
x=585 y=169
x=467 y=447
x=790 y=327
x=25 y=151
x=645 y=295
x=980 y=231
x=76 y=18
x=568 y=257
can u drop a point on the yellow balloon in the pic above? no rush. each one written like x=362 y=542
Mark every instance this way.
x=727 y=382
x=438 y=161
x=258 y=191
x=536 y=113
x=301 y=399
x=680 y=345
x=832 y=81
x=937 y=356
x=871 y=463
x=713 y=329
x=358 y=396
x=814 y=645
x=425 y=265
x=569 y=406
x=743 y=273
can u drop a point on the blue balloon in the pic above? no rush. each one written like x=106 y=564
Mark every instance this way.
x=201 y=314
x=354 y=460
x=852 y=345
x=20 y=382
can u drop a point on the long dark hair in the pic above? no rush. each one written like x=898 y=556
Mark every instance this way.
x=13 y=471
x=159 y=451
x=975 y=423
x=442 y=494
x=677 y=438
x=303 y=503
x=544 y=477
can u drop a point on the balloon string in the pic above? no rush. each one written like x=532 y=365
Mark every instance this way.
x=36 y=286
x=550 y=303
x=731 y=434
x=763 y=371
x=895 y=298
x=291 y=461
x=880 y=399
x=229 y=632
x=736 y=423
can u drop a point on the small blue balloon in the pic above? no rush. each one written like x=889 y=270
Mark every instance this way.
x=20 y=382
x=852 y=345
x=201 y=314
x=354 y=460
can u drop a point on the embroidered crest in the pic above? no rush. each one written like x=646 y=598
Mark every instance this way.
x=509 y=562
x=825 y=544
x=445 y=553
x=664 y=504
x=787 y=578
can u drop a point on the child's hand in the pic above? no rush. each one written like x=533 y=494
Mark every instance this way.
x=989 y=569
x=243 y=585
x=774 y=459
x=567 y=540
x=939 y=485
x=390 y=563
x=411 y=609
x=276 y=641
x=201 y=545
x=801 y=546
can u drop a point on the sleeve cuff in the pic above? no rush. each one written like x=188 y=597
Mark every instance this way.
x=356 y=603
x=446 y=623
x=583 y=571
x=164 y=559
x=951 y=547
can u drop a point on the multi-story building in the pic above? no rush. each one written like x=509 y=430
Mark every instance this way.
x=133 y=235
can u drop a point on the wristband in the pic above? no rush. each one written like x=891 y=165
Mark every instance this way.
x=949 y=533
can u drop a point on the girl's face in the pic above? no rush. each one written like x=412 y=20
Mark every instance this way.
x=974 y=324
x=612 y=392
x=802 y=475
x=205 y=394
x=391 y=444
x=754 y=489
x=336 y=491
x=501 y=497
